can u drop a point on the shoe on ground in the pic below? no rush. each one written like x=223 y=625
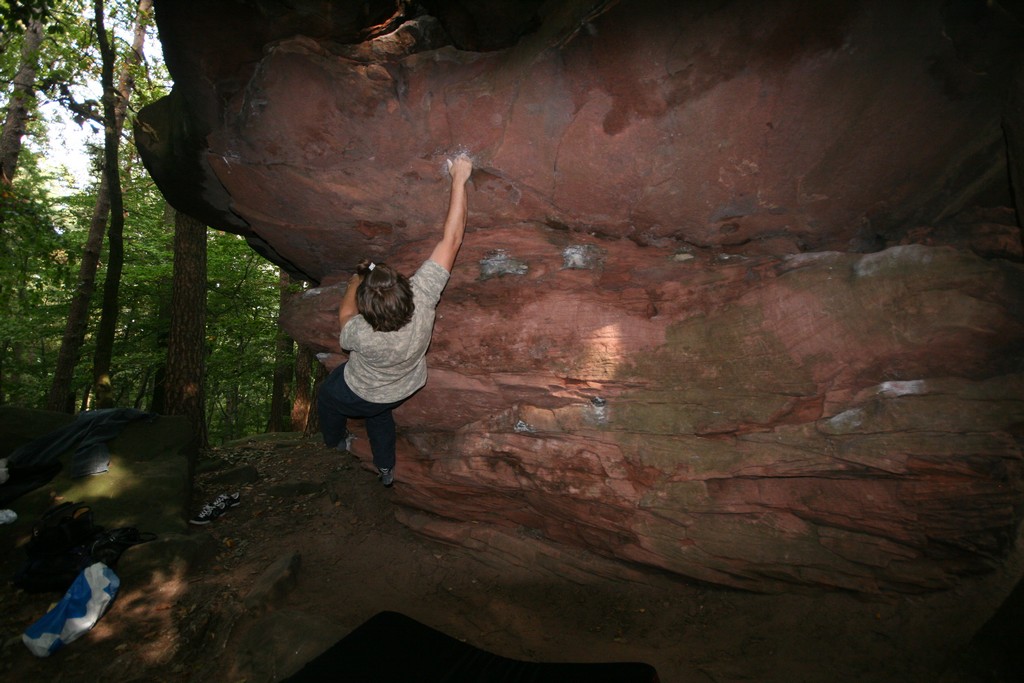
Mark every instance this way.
x=209 y=513
x=387 y=475
x=228 y=500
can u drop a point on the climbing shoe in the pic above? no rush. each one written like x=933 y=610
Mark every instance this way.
x=228 y=500
x=387 y=476
x=210 y=512
x=346 y=443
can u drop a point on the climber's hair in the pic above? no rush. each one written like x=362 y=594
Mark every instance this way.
x=384 y=297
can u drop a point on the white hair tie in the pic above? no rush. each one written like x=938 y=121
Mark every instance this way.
x=372 y=265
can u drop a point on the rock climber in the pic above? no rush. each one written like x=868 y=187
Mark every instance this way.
x=386 y=323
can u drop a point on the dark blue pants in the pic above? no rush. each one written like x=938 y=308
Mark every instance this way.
x=336 y=403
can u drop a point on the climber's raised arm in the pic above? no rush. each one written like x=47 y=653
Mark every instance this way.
x=447 y=249
x=349 y=308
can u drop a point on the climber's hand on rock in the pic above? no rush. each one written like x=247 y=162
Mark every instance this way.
x=460 y=168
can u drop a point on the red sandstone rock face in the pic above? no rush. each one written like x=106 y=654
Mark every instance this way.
x=848 y=420
x=659 y=341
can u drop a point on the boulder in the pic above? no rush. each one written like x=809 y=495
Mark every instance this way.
x=827 y=418
x=740 y=297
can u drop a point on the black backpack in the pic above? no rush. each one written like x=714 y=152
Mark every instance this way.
x=60 y=548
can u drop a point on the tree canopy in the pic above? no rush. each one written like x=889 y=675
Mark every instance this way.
x=44 y=218
x=14 y=14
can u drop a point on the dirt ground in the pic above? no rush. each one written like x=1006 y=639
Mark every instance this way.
x=324 y=517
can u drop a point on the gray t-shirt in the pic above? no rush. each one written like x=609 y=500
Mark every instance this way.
x=384 y=367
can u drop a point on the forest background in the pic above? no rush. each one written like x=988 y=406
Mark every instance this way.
x=109 y=297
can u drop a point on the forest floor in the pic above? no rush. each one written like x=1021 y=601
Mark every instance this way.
x=326 y=518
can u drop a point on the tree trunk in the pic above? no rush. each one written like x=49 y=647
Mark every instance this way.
x=231 y=410
x=158 y=403
x=304 y=360
x=15 y=353
x=115 y=106
x=313 y=417
x=61 y=397
x=22 y=99
x=5 y=349
x=142 y=390
x=283 y=362
x=186 y=343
